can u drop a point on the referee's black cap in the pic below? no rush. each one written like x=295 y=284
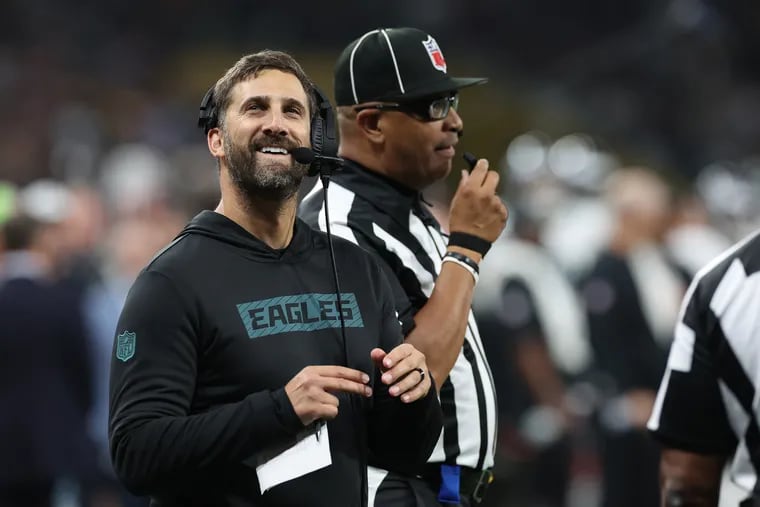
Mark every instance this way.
x=394 y=64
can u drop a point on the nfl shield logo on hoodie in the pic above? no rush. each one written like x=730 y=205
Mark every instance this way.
x=435 y=54
x=125 y=346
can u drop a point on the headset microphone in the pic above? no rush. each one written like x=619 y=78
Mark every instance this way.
x=306 y=156
x=303 y=155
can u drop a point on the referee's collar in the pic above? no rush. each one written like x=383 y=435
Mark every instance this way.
x=384 y=193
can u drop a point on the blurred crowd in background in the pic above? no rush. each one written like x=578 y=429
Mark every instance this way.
x=626 y=136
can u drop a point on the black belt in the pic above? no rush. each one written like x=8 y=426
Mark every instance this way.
x=752 y=501
x=472 y=483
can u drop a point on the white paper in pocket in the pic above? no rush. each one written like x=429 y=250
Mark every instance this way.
x=310 y=453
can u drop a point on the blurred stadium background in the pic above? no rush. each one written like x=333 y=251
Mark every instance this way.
x=100 y=146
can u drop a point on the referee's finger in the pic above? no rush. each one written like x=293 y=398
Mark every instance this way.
x=490 y=182
x=479 y=172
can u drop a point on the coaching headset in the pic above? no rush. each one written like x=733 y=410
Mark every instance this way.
x=322 y=156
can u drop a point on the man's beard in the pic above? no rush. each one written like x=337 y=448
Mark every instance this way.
x=258 y=180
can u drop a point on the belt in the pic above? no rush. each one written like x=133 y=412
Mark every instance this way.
x=472 y=483
x=752 y=501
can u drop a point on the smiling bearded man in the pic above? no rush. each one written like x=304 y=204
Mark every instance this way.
x=264 y=177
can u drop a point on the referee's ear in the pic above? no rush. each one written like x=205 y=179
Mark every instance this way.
x=368 y=122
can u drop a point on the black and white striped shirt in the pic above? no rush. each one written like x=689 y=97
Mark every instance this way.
x=708 y=400
x=390 y=221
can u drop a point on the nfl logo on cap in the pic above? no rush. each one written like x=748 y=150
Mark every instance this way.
x=435 y=54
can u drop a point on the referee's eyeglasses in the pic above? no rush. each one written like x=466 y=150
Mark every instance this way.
x=424 y=109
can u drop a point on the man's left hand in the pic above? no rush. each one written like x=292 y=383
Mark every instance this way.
x=403 y=369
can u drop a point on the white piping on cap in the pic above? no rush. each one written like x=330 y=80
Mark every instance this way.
x=395 y=64
x=351 y=63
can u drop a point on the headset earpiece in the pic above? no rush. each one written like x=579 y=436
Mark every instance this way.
x=324 y=134
x=207 y=116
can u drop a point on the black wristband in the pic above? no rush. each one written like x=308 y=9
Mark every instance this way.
x=465 y=259
x=470 y=242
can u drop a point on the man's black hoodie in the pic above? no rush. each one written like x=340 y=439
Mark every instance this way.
x=211 y=332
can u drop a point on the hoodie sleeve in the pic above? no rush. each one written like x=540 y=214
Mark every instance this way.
x=401 y=435
x=155 y=440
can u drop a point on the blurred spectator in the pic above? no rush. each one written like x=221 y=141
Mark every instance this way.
x=45 y=389
x=556 y=184
x=114 y=237
x=692 y=240
x=632 y=296
x=129 y=246
x=576 y=232
x=535 y=334
x=81 y=235
x=134 y=179
x=729 y=191
x=48 y=203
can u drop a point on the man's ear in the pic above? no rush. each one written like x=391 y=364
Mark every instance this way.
x=215 y=143
x=369 y=123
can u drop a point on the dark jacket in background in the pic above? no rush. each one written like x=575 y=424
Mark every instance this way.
x=45 y=390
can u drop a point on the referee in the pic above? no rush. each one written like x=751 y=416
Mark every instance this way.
x=398 y=129
x=706 y=409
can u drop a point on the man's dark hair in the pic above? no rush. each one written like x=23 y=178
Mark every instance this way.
x=252 y=65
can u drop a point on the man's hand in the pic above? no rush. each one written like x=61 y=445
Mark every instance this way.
x=475 y=207
x=405 y=370
x=310 y=391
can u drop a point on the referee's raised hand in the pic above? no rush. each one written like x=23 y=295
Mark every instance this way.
x=476 y=209
x=310 y=391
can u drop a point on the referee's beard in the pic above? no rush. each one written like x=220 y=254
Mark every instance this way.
x=257 y=176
